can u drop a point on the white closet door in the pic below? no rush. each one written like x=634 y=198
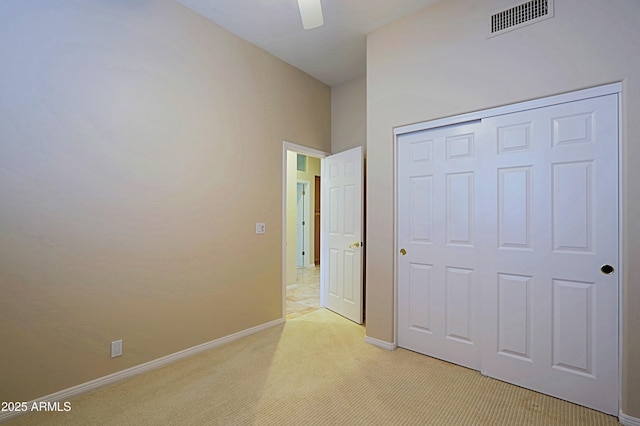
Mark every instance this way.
x=507 y=229
x=550 y=314
x=438 y=267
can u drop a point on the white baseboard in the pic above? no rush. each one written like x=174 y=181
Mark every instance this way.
x=628 y=420
x=380 y=343
x=67 y=394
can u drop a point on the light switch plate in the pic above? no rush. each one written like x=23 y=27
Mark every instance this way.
x=116 y=348
x=261 y=228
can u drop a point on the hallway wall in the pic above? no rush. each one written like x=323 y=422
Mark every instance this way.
x=140 y=145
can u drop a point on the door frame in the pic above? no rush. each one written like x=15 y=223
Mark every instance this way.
x=300 y=149
x=608 y=89
x=317 y=217
x=305 y=231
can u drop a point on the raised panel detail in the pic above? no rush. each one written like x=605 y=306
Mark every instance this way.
x=458 y=304
x=333 y=270
x=514 y=316
x=460 y=211
x=459 y=147
x=334 y=170
x=420 y=297
x=349 y=259
x=573 y=321
x=421 y=205
x=349 y=210
x=572 y=129
x=515 y=137
x=420 y=151
x=514 y=207
x=349 y=168
x=334 y=210
x=572 y=206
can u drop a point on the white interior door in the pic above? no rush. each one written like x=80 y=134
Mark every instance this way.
x=504 y=225
x=551 y=321
x=438 y=267
x=341 y=232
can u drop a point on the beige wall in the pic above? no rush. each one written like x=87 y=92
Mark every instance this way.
x=438 y=63
x=140 y=144
x=349 y=115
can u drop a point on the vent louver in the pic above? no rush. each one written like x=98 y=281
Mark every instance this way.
x=521 y=15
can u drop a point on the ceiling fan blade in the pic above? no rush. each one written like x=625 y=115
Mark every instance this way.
x=311 y=13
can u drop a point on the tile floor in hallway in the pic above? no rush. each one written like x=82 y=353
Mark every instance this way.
x=304 y=297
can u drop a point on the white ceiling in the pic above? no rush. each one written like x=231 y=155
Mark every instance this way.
x=333 y=53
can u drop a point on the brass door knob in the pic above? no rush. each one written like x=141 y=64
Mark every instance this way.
x=356 y=244
x=403 y=252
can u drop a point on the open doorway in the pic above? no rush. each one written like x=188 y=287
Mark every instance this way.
x=301 y=257
x=341 y=260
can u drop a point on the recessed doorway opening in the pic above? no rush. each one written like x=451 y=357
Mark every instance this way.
x=301 y=230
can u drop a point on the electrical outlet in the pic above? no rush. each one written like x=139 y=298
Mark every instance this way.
x=261 y=228
x=116 y=348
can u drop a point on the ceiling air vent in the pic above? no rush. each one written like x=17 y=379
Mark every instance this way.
x=521 y=15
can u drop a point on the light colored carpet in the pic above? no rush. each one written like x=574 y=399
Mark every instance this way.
x=314 y=370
